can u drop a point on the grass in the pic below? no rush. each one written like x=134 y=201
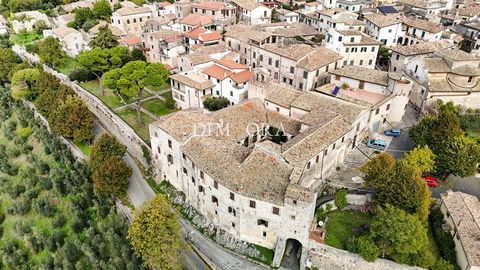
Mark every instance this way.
x=129 y=115
x=26 y=37
x=109 y=98
x=159 y=88
x=68 y=65
x=340 y=224
x=157 y=107
x=85 y=148
x=475 y=134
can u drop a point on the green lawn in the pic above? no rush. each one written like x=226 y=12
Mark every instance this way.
x=109 y=98
x=159 y=88
x=25 y=37
x=129 y=115
x=68 y=65
x=85 y=148
x=340 y=224
x=157 y=107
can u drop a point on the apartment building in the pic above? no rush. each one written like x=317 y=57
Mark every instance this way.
x=251 y=13
x=163 y=46
x=417 y=30
x=203 y=56
x=355 y=47
x=131 y=19
x=194 y=20
x=386 y=28
x=402 y=55
x=72 y=41
x=337 y=18
x=201 y=37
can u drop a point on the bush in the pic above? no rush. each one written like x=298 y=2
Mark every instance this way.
x=59 y=221
x=367 y=248
x=24 y=132
x=44 y=206
x=81 y=75
x=441 y=264
x=444 y=240
x=341 y=199
x=215 y=103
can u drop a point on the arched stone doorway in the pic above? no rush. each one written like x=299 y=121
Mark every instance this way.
x=292 y=255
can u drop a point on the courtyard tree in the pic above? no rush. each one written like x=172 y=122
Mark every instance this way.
x=72 y=119
x=155 y=235
x=102 y=10
x=131 y=79
x=22 y=83
x=401 y=236
x=112 y=176
x=50 y=51
x=215 y=103
x=8 y=60
x=96 y=61
x=104 y=39
x=420 y=157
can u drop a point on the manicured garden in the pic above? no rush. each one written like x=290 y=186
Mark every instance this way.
x=25 y=37
x=129 y=115
x=342 y=225
x=157 y=107
x=109 y=98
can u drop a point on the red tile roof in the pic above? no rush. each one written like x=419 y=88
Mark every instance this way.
x=164 y=4
x=210 y=36
x=241 y=77
x=230 y=64
x=217 y=72
x=196 y=19
x=311 y=4
x=195 y=32
x=132 y=40
x=209 y=5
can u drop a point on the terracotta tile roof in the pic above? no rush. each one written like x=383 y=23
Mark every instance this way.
x=457 y=55
x=244 y=33
x=193 y=80
x=230 y=64
x=427 y=47
x=311 y=4
x=211 y=5
x=132 y=40
x=363 y=74
x=196 y=19
x=425 y=25
x=282 y=95
x=246 y=4
x=464 y=210
x=64 y=31
x=125 y=11
x=195 y=32
x=166 y=35
x=181 y=125
x=164 y=4
x=318 y=58
x=215 y=35
x=217 y=72
x=242 y=76
x=383 y=20
x=115 y=30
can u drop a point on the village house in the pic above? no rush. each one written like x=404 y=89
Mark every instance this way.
x=427 y=9
x=201 y=37
x=72 y=41
x=335 y=18
x=354 y=6
x=471 y=33
x=182 y=8
x=132 y=42
x=63 y=20
x=240 y=38
x=115 y=30
x=449 y=75
x=386 y=28
x=27 y=20
x=355 y=47
x=417 y=30
x=194 y=20
x=461 y=212
x=311 y=7
x=161 y=9
x=402 y=55
x=69 y=8
x=131 y=19
x=252 y=13
x=221 y=13
x=285 y=15
x=190 y=88
x=163 y=46
x=203 y=56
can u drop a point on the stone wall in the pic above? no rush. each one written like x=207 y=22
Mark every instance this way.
x=325 y=257
x=111 y=121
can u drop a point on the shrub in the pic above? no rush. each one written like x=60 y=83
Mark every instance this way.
x=23 y=227
x=442 y=264
x=81 y=75
x=215 y=103
x=444 y=240
x=44 y=206
x=341 y=199
x=367 y=248
x=24 y=132
x=2 y=218
x=59 y=221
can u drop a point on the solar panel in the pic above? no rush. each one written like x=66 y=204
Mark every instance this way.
x=336 y=90
x=387 y=9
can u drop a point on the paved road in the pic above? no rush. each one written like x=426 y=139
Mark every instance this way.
x=223 y=259
x=398 y=146
x=469 y=185
x=138 y=190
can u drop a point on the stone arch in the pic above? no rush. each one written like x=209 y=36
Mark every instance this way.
x=292 y=255
x=400 y=40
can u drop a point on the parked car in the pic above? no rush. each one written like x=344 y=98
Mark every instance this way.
x=392 y=132
x=431 y=181
x=377 y=144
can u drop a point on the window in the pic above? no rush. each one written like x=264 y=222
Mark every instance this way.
x=370 y=62
x=351 y=62
x=397 y=57
x=185 y=170
x=292 y=70
x=345 y=62
x=388 y=107
x=264 y=234
x=169 y=143
x=347 y=50
x=202 y=175
x=215 y=184
x=305 y=74
x=326 y=68
x=201 y=189
x=262 y=222
x=333 y=147
x=214 y=200
x=339 y=38
x=373 y=49
x=470 y=79
x=193 y=180
x=308 y=165
x=232 y=196
x=326 y=152
x=295 y=202
x=134 y=20
x=184 y=157
x=231 y=93
x=361 y=63
x=343 y=139
x=300 y=85
x=416 y=68
x=389 y=30
x=377 y=111
x=253 y=204
x=158 y=150
x=352 y=39
x=317 y=158
x=233 y=224
x=128 y=21
x=270 y=61
x=232 y=211
x=261 y=57
x=276 y=211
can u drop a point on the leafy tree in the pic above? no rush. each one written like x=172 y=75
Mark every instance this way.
x=420 y=157
x=169 y=101
x=341 y=199
x=131 y=79
x=23 y=81
x=49 y=99
x=447 y=126
x=50 y=51
x=155 y=235
x=104 y=39
x=367 y=248
x=46 y=82
x=397 y=184
x=83 y=18
x=400 y=236
x=137 y=54
x=459 y=156
x=102 y=10
x=8 y=60
x=215 y=103
x=112 y=176
x=421 y=133
x=105 y=147
x=72 y=119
